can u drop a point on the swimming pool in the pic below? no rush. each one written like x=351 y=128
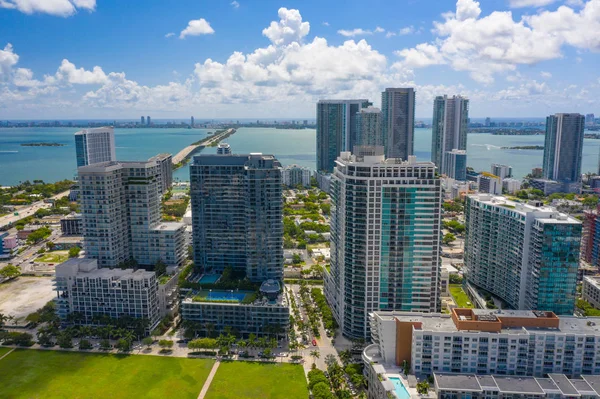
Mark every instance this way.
x=226 y=296
x=399 y=388
x=209 y=278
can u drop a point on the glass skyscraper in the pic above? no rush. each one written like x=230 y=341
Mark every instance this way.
x=95 y=145
x=336 y=129
x=385 y=238
x=563 y=148
x=449 y=129
x=398 y=122
x=237 y=214
x=455 y=165
x=368 y=127
x=526 y=256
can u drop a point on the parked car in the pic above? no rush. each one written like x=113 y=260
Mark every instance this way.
x=314 y=342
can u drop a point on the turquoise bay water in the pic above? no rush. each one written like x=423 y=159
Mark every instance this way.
x=19 y=163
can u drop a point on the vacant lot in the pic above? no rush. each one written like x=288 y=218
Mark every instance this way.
x=249 y=380
x=48 y=374
x=25 y=295
x=460 y=297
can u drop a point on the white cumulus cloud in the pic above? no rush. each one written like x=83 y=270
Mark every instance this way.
x=354 y=32
x=8 y=59
x=170 y=34
x=61 y=8
x=69 y=73
x=407 y=30
x=529 y=3
x=197 y=27
x=546 y=75
x=235 y=4
x=290 y=28
x=497 y=43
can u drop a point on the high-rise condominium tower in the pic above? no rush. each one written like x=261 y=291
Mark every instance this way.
x=368 y=127
x=398 y=122
x=502 y=171
x=385 y=238
x=449 y=129
x=455 y=165
x=237 y=214
x=143 y=120
x=121 y=217
x=527 y=256
x=95 y=145
x=336 y=129
x=563 y=147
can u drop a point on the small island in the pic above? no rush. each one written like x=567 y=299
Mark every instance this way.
x=42 y=145
x=525 y=147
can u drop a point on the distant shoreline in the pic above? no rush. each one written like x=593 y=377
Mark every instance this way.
x=42 y=145
x=525 y=147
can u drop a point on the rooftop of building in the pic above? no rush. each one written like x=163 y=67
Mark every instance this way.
x=234 y=159
x=498 y=321
x=113 y=165
x=161 y=157
x=232 y=297
x=294 y=166
x=168 y=226
x=360 y=100
x=72 y=216
x=553 y=215
x=370 y=110
x=593 y=280
x=68 y=240
x=94 y=130
x=348 y=158
x=88 y=268
x=554 y=383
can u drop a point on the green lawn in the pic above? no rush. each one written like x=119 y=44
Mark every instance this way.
x=54 y=257
x=251 y=380
x=461 y=299
x=30 y=373
x=4 y=350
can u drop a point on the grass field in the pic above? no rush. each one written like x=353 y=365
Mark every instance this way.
x=248 y=380
x=4 y=351
x=461 y=299
x=54 y=257
x=49 y=374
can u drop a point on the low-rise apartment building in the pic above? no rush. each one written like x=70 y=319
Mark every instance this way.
x=90 y=292
x=590 y=290
x=513 y=342
x=245 y=312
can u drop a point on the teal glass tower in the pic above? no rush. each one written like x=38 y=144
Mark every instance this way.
x=336 y=129
x=385 y=238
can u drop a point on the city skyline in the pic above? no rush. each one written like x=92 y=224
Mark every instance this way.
x=48 y=72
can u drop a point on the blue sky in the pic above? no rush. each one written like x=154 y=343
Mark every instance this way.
x=244 y=59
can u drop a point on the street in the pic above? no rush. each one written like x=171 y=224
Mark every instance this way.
x=28 y=210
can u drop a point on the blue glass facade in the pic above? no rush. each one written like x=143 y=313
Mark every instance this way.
x=81 y=150
x=554 y=260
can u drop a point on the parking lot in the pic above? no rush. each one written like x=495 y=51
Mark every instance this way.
x=25 y=295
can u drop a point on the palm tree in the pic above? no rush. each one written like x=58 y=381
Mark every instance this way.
x=346 y=356
x=85 y=331
x=330 y=360
x=315 y=355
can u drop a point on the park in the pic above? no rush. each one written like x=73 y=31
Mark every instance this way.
x=31 y=373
